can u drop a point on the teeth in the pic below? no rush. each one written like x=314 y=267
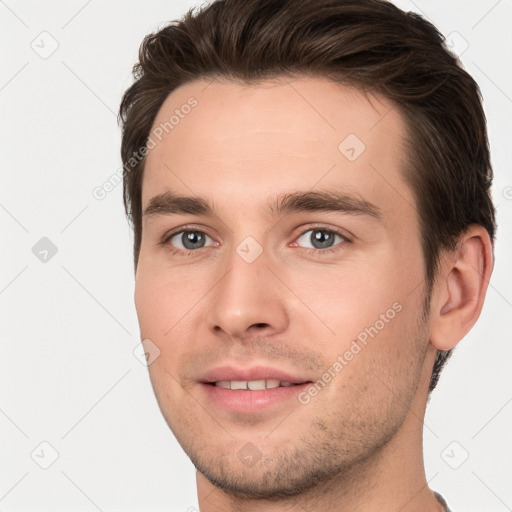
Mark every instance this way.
x=272 y=383
x=238 y=384
x=254 y=385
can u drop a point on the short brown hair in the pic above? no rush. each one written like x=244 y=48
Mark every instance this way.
x=370 y=44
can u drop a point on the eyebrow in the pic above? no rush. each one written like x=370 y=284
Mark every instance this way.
x=170 y=203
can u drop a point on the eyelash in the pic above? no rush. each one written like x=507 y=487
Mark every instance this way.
x=310 y=251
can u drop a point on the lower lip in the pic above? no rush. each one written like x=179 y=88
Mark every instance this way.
x=247 y=401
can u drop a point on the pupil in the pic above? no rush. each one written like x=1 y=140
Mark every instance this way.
x=192 y=239
x=321 y=239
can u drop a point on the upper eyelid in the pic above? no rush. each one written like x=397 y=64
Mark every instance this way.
x=184 y=229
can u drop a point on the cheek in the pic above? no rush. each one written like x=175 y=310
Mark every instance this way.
x=167 y=304
x=378 y=367
x=351 y=298
x=149 y=304
x=163 y=298
x=162 y=307
x=373 y=310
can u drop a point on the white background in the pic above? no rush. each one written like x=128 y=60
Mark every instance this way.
x=68 y=327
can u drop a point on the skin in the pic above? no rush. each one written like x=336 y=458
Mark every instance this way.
x=347 y=448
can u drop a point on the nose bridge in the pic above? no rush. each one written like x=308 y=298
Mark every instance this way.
x=247 y=295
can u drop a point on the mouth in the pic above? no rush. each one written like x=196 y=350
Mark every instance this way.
x=251 y=390
x=254 y=385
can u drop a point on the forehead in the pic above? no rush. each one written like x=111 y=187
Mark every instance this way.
x=217 y=138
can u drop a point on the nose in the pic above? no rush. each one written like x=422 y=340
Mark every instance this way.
x=248 y=300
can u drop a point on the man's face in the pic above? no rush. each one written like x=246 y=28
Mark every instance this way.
x=330 y=300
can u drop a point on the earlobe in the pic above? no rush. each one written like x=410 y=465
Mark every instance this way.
x=460 y=289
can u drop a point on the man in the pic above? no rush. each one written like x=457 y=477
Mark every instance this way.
x=309 y=186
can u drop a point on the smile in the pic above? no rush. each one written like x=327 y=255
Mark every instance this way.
x=254 y=385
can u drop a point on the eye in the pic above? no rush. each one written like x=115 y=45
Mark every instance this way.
x=188 y=240
x=320 y=239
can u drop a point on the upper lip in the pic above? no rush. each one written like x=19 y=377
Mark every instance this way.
x=231 y=373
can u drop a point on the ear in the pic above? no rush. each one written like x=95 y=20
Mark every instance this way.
x=460 y=288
